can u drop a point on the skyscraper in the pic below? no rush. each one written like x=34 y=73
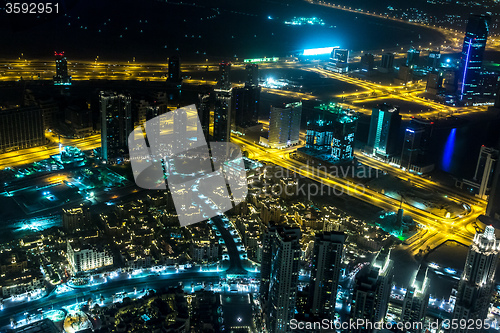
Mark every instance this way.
x=284 y=125
x=416 y=301
x=434 y=60
x=279 y=276
x=116 y=125
x=372 y=291
x=411 y=146
x=327 y=258
x=222 y=107
x=203 y=108
x=61 y=78
x=247 y=99
x=21 y=128
x=174 y=69
x=485 y=169
x=471 y=59
x=384 y=129
x=252 y=75
x=413 y=58
x=339 y=60
x=476 y=284
x=387 y=64
x=493 y=207
x=367 y=62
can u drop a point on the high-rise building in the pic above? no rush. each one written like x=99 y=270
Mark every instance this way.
x=203 y=108
x=476 y=284
x=485 y=169
x=84 y=256
x=284 y=125
x=174 y=69
x=224 y=81
x=21 y=128
x=372 y=291
x=247 y=99
x=331 y=135
x=339 y=61
x=387 y=64
x=413 y=58
x=416 y=301
x=405 y=74
x=223 y=104
x=62 y=78
x=411 y=146
x=471 y=59
x=434 y=82
x=367 y=62
x=76 y=219
x=326 y=262
x=434 y=60
x=252 y=75
x=493 y=207
x=384 y=129
x=116 y=125
x=280 y=276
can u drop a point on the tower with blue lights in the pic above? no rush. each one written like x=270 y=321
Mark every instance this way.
x=471 y=60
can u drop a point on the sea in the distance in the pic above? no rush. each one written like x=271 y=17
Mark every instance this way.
x=153 y=30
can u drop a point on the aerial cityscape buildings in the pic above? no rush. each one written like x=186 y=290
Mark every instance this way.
x=359 y=174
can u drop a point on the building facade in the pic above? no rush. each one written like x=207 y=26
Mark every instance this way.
x=116 y=125
x=284 y=125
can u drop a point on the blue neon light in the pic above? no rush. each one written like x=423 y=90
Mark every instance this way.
x=448 y=150
x=465 y=70
x=410 y=130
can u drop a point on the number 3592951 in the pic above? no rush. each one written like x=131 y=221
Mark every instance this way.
x=31 y=8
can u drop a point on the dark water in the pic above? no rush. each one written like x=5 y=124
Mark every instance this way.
x=153 y=30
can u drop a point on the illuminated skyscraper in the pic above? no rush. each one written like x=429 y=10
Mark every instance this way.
x=327 y=258
x=247 y=99
x=387 y=64
x=416 y=301
x=280 y=276
x=367 y=62
x=21 y=128
x=472 y=57
x=61 y=78
x=485 y=168
x=493 y=207
x=411 y=146
x=116 y=125
x=331 y=135
x=477 y=282
x=203 y=108
x=384 y=129
x=339 y=60
x=434 y=60
x=372 y=291
x=413 y=58
x=284 y=125
x=222 y=107
x=252 y=75
x=174 y=69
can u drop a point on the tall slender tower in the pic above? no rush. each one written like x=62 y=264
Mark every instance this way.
x=116 y=125
x=62 y=78
x=477 y=281
x=327 y=258
x=280 y=276
x=416 y=301
x=372 y=291
x=471 y=59
x=222 y=107
x=384 y=129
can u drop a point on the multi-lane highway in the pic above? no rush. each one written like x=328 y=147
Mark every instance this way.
x=439 y=228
